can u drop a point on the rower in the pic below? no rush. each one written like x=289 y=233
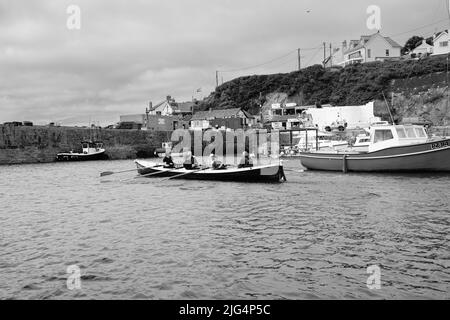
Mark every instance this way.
x=245 y=162
x=168 y=161
x=190 y=162
x=216 y=164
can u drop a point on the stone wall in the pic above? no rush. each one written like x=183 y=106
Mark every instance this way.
x=41 y=144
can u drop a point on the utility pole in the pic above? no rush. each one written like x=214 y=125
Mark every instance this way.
x=299 y=60
x=217 y=79
x=331 y=55
x=324 y=53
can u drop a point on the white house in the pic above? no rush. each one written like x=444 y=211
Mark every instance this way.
x=165 y=108
x=423 y=49
x=370 y=48
x=441 y=43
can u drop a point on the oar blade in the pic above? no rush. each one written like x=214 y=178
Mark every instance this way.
x=106 y=173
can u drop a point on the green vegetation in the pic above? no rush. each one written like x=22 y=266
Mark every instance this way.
x=352 y=85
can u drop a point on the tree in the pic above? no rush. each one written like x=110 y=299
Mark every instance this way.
x=411 y=44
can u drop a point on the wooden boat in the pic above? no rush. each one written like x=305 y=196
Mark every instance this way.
x=273 y=173
x=392 y=148
x=91 y=151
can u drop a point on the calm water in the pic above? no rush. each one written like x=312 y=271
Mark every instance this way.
x=310 y=238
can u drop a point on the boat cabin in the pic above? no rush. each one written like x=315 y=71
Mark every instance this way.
x=382 y=137
x=91 y=147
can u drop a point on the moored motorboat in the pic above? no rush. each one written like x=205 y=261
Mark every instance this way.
x=264 y=173
x=91 y=150
x=394 y=148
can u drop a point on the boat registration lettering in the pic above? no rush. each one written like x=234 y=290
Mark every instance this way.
x=439 y=145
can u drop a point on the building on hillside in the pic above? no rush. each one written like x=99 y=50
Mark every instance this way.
x=165 y=116
x=370 y=48
x=441 y=43
x=287 y=109
x=166 y=123
x=422 y=50
x=184 y=108
x=234 y=118
x=355 y=116
x=170 y=107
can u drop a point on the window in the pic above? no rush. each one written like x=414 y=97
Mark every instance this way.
x=369 y=53
x=443 y=44
x=401 y=133
x=420 y=132
x=383 y=135
x=410 y=132
x=387 y=52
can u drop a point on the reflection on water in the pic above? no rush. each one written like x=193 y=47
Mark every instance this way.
x=312 y=237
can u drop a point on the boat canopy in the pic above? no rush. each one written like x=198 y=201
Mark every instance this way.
x=91 y=146
x=382 y=137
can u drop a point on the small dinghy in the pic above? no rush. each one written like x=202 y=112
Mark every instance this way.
x=273 y=173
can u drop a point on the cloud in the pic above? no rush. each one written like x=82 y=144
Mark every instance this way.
x=130 y=52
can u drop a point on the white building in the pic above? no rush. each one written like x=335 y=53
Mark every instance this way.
x=441 y=43
x=370 y=48
x=423 y=49
x=354 y=116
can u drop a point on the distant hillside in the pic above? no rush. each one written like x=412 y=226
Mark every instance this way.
x=352 y=85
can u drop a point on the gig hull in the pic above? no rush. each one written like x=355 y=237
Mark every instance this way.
x=430 y=156
x=270 y=173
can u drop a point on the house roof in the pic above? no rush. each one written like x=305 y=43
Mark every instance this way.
x=392 y=43
x=222 y=113
x=156 y=106
x=439 y=34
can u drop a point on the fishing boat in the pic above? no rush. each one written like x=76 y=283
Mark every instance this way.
x=273 y=173
x=392 y=148
x=91 y=150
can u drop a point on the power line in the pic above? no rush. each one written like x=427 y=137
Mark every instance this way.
x=259 y=65
x=267 y=62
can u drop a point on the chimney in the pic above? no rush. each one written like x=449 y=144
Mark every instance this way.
x=344 y=45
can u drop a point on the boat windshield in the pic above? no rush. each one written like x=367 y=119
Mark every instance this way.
x=411 y=132
x=383 y=135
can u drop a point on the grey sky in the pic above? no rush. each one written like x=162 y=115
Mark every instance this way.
x=130 y=52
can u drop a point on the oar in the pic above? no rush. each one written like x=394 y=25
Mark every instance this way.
x=150 y=174
x=292 y=170
x=109 y=173
x=183 y=174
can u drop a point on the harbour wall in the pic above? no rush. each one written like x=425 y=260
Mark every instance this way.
x=36 y=144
